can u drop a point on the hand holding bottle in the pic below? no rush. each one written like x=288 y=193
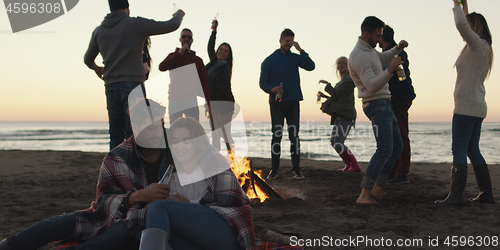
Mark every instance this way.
x=278 y=90
x=400 y=70
x=396 y=61
x=215 y=23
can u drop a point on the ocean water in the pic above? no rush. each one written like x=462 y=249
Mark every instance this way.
x=430 y=142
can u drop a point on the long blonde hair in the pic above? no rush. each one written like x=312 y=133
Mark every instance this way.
x=337 y=62
x=480 y=26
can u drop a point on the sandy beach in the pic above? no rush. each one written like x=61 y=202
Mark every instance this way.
x=40 y=184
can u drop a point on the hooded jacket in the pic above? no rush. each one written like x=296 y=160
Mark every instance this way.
x=120 y=40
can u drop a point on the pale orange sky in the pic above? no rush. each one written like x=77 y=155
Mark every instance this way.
x=44 y=78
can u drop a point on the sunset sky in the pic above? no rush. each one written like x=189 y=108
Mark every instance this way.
x=43 y=77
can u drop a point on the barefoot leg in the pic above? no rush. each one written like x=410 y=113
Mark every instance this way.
x=378 y=190
x=366 y=197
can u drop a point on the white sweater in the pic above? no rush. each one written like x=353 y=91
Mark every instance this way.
x=365 y=68
x=472 y=68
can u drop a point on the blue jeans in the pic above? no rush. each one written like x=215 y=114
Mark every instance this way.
x=191 y=226
x=389 y=144
x=340 y=130
x=117 y=105
x=61 y=227
x=466 y=132
x=291 y=111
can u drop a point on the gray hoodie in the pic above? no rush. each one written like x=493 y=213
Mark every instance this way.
x=120 y=41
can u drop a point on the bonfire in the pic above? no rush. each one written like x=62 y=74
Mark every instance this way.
x=251 y=181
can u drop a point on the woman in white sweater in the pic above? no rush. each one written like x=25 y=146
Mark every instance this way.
x=473 y=66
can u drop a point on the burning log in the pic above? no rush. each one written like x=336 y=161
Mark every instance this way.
x=256 y=180
x=246 y=185
x=251 y=182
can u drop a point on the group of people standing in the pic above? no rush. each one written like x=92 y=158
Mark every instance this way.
x=387 y=98
x=141 y=203
x=142 y=199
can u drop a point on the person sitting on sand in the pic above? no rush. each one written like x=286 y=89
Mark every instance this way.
x=127 y=183
x=210 y=211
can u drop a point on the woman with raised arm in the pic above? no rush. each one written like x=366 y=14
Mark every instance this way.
x=473 y=67
x=343 y=114
x=219 y=71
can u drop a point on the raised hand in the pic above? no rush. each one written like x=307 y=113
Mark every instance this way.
x=215 y=24
x=297 y=46
x=402 y=44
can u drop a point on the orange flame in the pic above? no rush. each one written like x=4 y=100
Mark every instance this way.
x=241 y=168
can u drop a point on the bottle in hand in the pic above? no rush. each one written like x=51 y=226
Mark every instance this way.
x=401 y=72
x=278 y=96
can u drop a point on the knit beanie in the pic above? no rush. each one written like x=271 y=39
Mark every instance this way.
x=117 y=4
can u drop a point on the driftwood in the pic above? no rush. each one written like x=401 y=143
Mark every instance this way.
x=268 y=235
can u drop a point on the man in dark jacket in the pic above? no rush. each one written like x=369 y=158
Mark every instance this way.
x=120 y=40
x=279 y=77
x=402 y=95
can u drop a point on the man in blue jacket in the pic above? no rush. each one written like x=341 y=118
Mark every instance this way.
x=279 y=77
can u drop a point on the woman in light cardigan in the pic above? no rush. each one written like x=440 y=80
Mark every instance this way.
x=473 y=66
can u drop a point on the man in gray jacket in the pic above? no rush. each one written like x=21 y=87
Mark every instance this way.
x=120 y=40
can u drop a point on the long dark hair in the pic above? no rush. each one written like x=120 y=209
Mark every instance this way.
x=229 y=58
x=480 y=26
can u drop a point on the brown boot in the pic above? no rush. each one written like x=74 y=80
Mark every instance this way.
x=458 y=179
x=484 y=183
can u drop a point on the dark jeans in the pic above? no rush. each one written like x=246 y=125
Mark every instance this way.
x=177 y=108
x=291 y=112
x=389 y=145
x=61 y=227
x=117 y=105
x=340 y=130
x=466 y=132
x=402 y=166
x=191 y=226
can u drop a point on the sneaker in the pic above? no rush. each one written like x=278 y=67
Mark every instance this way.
x=273 y=174
x=398 y=179
x=298 y=175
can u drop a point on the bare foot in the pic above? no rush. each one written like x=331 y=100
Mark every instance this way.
x=378 y=191
x=366 y=197
x=367 y=200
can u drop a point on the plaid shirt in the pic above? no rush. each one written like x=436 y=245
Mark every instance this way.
x=122 y=172
x=226 y=197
